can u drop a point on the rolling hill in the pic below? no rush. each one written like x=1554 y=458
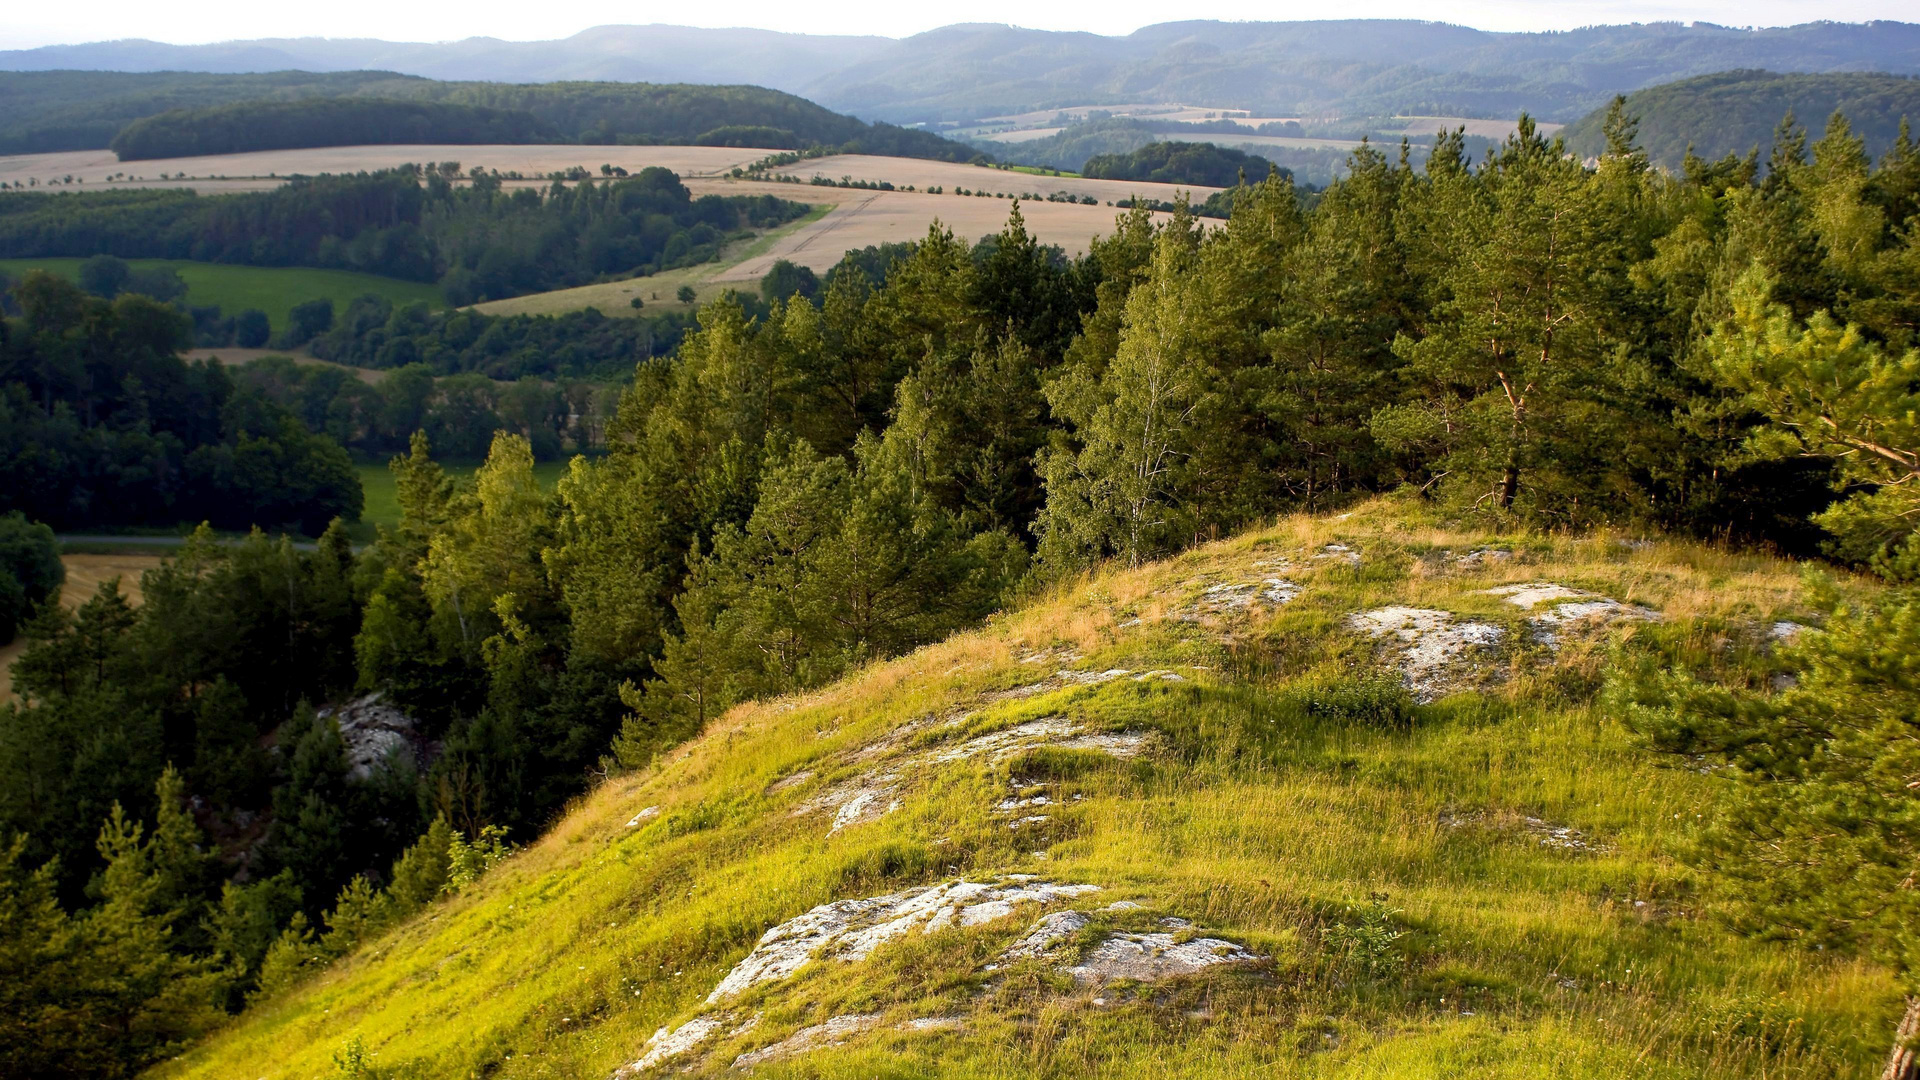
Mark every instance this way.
x=70 y=110
x=1734 y=112
x=1334 y=798
x=967 y=71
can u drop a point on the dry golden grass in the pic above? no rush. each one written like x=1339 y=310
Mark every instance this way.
x=85 y=575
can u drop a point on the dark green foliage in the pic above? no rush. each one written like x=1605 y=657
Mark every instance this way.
x=372 y=332
x=1202 y=164
x=30 y=571
x=250 y=329
x=307 y=321
x=208 y=113
x=101 y=423
x=756 y=135
x=249 y=126
x=1734 y=112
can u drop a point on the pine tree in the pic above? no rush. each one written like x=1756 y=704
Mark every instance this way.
x=1832 y=392
x=1123 y=493
x=1818 y=832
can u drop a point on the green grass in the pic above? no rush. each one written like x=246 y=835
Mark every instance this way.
x=382 y=505
x=274 y=290
x=1287 y=787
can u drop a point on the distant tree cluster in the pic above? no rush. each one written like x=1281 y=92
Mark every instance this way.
x=460 y=413
x=246 y=127
x=374 y=332
x=1202 y=164
x=479 y=240
x=102 y=424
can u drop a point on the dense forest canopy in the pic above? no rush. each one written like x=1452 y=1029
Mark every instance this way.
x=103 y=424
x=1734 y=112
x=479 y=240
x=873 y=460
x=70 y=110
x=289 y=125
x=1179 y=163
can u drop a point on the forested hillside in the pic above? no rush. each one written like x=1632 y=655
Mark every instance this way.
x=1735 y=112
x=478 y=240
x=1522 y=346
x=288 y=125
x=69 y=110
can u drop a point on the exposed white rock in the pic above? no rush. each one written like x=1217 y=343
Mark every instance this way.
x=1562 y=837
x=1090 y=678
x=1007 y=740
x=793 y=781
x=1047 y=934
x=1241 y=596
x=1339 y=553
x=1436 y=650
x=869 y=804
x=644 y=815
x=834 y=1032
x=1785 y=630
x=1009 y=805
x=1152 y=957
x=1569 y=606
x=1529 y=595
x=1159 y=673
x=666 y=1045
x=934 y=1023
x=852 y=929
x=375 y=733
x=1481 y=557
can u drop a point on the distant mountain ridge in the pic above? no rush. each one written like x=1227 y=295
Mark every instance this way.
x=1735 y=112
x=968 y=71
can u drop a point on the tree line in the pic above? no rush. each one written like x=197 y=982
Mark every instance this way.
x=862 y=464
x=85 y=110
x=245 y=127
x=478 y=240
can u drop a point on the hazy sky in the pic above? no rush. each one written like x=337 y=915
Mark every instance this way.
x=35 y=22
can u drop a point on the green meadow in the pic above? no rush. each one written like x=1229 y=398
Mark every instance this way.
x=272 y=289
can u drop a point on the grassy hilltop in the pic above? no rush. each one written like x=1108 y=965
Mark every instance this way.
x=1213 y=739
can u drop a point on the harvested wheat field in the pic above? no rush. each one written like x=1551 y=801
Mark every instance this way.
x=85 y=573
x=923 y=174
x=264 y=169
x=854 y=219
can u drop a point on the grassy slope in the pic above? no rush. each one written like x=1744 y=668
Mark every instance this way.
x=273 y=290
x=1260 y=817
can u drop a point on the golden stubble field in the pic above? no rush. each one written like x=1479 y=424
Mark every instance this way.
x=85 y=573
x=267 y=168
